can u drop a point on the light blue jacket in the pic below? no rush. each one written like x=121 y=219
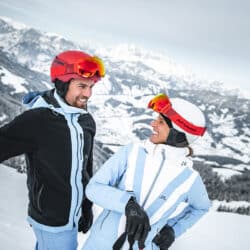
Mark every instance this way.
x=164 y=183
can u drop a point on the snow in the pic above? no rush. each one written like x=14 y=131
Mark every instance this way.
x=226 y=173
x=15 y=81
x=47 y=84
x=156 y=69
x=3 y=117
x=14 y=231
x=231 y=204
x=14 y=24
x=239 y=167
x=117 y=121
x=220 y=231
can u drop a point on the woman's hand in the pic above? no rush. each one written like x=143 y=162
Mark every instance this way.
x=165 y=238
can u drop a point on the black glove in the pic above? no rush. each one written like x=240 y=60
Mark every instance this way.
x=86 y=219
x=165 y=238
x=137 y=224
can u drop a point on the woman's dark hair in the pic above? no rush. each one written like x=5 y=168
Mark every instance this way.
x=191 y=151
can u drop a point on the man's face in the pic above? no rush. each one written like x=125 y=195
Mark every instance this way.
x=80 y=90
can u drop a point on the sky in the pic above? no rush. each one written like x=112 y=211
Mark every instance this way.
x=212 y=37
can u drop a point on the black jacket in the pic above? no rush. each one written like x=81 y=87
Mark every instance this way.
x=43 y=134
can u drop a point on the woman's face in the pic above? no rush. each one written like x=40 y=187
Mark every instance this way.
x=160 y=130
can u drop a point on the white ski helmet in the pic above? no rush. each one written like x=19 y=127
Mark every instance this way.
x=185 y=116
x=191 y=113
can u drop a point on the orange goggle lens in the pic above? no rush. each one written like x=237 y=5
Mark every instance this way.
x=90 y=67
x=100 y=65
x=87 y=68
x=160 y=103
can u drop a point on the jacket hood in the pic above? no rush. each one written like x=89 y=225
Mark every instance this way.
x=30 y=99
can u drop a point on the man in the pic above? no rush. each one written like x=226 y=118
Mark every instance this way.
x=56 y=135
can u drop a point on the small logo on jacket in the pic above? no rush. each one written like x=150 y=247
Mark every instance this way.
x=184 y=163
x=163 y=197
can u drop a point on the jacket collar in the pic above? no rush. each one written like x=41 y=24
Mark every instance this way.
x=67 y=108
x=50 y=99
x=170 y=151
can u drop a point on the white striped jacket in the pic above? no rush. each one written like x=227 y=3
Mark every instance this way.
x=164 y=183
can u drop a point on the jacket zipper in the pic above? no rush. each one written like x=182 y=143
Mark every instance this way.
x=77 y=154
x=150 y=190
x=155 y=179
x=81 y=158
x=81 y=147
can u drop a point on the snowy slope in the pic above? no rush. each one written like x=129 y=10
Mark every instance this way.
x=220 y=231
x=15 y=233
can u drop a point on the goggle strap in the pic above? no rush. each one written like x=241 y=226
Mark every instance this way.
x=182 y=122
x=70 y=68
x=166 y=108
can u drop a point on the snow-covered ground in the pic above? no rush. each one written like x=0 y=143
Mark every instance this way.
x=215 y=231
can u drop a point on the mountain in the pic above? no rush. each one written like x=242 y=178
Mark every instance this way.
x=119 y=101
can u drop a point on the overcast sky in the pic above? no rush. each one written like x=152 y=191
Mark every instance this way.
x=210 y=36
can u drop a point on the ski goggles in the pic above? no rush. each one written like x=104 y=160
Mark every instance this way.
x=162 y=104
x=92 y=66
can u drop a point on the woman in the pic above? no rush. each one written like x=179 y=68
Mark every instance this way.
x=149 y=190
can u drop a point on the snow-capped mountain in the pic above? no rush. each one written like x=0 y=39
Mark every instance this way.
x=119 y=102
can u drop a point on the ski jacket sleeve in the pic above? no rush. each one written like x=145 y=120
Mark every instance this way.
x=18 y=136
x=198 y=205
x=102 y=188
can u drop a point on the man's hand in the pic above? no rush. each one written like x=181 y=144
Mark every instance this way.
x=85 y=221
x=165 y=238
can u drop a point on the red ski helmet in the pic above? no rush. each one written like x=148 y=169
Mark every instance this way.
x=73 y=64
